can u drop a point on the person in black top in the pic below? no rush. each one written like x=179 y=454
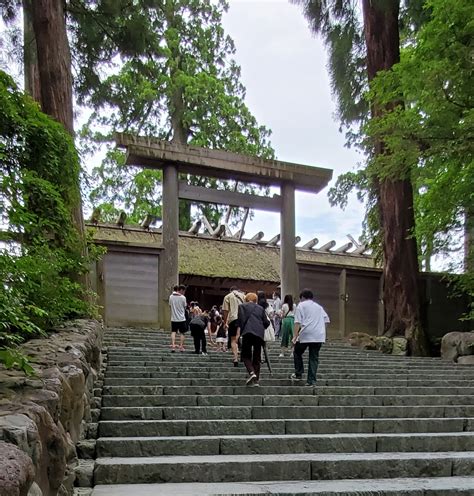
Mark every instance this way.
x=198 y=325
x=251 y=326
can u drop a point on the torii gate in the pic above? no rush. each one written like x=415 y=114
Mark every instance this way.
x=173 y=159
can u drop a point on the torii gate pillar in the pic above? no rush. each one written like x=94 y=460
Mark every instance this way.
x=169 y=271
x=288 y=267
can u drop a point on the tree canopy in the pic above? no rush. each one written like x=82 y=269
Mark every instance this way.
x=168 y=72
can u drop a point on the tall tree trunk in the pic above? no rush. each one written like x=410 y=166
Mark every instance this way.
x=54 y=60
x=55 y=84
x=31 y=69
x=395 y=197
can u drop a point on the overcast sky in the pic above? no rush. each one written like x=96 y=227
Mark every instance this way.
x=284 y=70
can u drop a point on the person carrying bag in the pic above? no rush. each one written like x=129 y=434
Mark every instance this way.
x=253 y=321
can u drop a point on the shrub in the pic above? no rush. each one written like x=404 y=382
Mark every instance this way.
x=40 y=255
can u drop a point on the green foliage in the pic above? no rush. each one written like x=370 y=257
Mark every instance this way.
x=40 y=250
x=13 y=358
x=430 y=138
x=175 y=79
x=339 y=24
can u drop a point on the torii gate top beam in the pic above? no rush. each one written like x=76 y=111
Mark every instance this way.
x=153 y=153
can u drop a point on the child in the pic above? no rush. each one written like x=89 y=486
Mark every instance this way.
x=221 y=336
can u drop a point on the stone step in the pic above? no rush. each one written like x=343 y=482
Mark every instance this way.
x=174 y=358
x=316 y=466
x=283 y=412
x=264 y=382
x=371 y=415
x=125 y=428
x=150 y=350
x=289 y=443
x=336 y=390
x=218 y=381
x=435 y=486
x=293 y=400
x=296 y=389
x=279 y=367
x=127 y=378
x=227 y=368
x=146 y=345
x=157 y=377
x=323 y=372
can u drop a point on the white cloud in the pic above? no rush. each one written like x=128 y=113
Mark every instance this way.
x=284 y=71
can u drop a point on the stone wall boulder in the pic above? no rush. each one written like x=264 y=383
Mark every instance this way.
x=44 y=416
x=400 y=346
x=16 y=471
x=457 y=344
x=383 y=344
x=362 y=340
x=389 y=346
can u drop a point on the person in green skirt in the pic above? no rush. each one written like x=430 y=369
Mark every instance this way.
x=287 y=323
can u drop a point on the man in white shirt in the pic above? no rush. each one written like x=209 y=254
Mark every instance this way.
x=177 y=302
x=309 y=332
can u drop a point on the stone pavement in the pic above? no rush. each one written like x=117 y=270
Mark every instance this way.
x=181 y=424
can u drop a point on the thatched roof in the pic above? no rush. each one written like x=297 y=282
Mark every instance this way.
x=226 y=258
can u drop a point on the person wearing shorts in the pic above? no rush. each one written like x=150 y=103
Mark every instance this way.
x=230 y=308
x=178 y=304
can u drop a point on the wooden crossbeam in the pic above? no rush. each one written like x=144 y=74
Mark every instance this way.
x=232 y=198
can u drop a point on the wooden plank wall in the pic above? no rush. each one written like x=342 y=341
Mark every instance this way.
x=130 y=289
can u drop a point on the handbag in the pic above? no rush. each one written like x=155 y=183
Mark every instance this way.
x=269 y=333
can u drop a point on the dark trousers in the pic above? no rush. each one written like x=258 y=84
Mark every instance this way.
x=300 y=348
x=251 y=353
x=199 y=339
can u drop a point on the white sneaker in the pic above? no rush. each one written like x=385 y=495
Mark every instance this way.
x=281 y=355
x=252 y=378
x=204 y=354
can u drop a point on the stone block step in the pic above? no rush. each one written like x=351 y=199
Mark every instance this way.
x=315 y=466
x=436 y=486
x=282 y=412
x=151 y=346
x=278 y=400
x=209 y=373
x=328 y=390
x=286 y=369
x=297 y=386
x=323 y=371
x=204 y=361
x=296 y=389
x=289 y=443
x=126 y=380
x=150 y=353
x=265 y=382
x=126 y=428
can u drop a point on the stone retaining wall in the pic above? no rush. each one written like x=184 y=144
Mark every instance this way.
x=43 y=417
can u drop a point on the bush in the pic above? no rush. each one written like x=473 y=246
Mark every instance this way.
x=40 y=250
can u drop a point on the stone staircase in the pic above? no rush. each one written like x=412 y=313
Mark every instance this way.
x=181 y=424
